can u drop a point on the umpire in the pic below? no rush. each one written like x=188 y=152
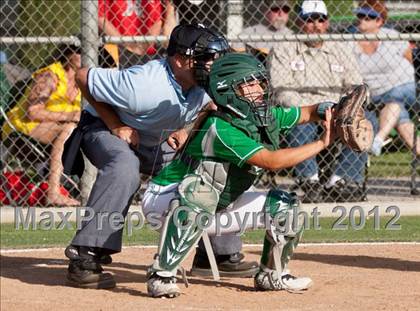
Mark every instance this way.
x=124 y=130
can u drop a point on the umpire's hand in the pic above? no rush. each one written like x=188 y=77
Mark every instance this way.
x=177 y=139
x=128 y=134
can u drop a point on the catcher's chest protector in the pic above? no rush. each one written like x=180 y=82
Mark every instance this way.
x=240 y=179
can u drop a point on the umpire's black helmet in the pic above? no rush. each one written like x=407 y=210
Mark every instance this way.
x=201 y=44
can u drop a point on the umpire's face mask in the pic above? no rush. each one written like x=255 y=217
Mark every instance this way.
x=201 y=67
x=207 y=50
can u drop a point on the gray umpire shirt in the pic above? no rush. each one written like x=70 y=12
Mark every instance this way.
x=147 y=98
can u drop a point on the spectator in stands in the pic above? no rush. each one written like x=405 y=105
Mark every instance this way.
x=305 y=73
x=275 y=20
x=386 y=68
x=48 y=112
x=136 y=18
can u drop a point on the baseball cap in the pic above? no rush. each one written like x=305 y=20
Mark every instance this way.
x=184 y=37
x=367 y=11
x=310 y=7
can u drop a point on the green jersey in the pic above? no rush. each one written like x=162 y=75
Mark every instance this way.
x=219 y=141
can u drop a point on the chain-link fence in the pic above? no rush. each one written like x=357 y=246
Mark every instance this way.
x=318 y=49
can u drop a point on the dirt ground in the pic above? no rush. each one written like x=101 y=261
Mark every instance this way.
x=346 y=277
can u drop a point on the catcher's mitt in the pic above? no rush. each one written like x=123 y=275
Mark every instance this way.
x=352 y=126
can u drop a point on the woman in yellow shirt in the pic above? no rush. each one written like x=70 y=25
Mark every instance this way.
x=49 y=111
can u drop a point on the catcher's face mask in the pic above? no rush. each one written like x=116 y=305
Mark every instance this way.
x=255 y=90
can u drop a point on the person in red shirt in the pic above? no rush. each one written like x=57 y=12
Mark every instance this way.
x=136 y=18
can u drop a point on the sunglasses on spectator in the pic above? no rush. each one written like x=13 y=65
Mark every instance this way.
x=315 y=17
x=366 y=17
x=276 y=9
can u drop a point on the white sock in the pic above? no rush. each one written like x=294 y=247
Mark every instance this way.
x=314 y=177
x=377 y=146
x=334 y=178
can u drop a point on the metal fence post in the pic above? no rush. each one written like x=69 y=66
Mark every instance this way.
x=89 y=27
x=90 y=40
x=234 y=17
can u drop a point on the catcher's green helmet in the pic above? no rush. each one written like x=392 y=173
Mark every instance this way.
x=232 y=87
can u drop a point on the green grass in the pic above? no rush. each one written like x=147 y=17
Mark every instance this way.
x=409 y=232
x=391 y=164
x=44 y=18
x=12 y=238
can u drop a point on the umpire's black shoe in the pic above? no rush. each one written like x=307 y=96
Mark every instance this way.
x=72 y=253
x=345 y=191
x=228 y=265
x=86 y=272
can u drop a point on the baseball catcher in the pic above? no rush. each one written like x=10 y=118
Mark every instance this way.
x=218 y=166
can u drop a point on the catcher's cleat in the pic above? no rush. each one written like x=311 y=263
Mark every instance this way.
x=228 y=265
x=162 y=286
x=87 y=273
x=72 y=253
x=268 y=281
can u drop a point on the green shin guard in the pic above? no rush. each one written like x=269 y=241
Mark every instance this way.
x=286 y=230
x=284 y=249
x=184 y=224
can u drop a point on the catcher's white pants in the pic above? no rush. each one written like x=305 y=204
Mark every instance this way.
x=245 y=213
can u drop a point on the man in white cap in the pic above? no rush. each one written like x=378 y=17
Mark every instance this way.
x=304 y=73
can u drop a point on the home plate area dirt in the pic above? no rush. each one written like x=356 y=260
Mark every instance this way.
x=346 y=277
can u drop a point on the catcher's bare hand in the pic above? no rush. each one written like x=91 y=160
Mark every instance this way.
x=177 y=139
x=329 y=133
x=127 y=134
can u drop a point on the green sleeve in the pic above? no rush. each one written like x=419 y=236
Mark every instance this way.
x=287 y=117
x=231 y=144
